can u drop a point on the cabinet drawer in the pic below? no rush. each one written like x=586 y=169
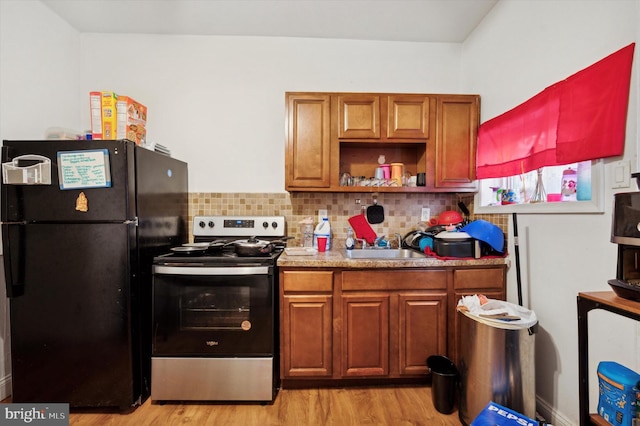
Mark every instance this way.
x=491 y=278
x=307 y=281
x=423 y=279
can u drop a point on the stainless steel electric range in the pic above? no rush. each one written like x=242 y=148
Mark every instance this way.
x=215 y=324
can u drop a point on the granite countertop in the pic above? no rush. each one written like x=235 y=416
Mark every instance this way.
x=338 y=259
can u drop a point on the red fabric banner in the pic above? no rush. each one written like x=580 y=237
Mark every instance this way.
x=580 y=118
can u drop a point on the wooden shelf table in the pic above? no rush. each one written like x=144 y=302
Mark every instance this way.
x=608 y=301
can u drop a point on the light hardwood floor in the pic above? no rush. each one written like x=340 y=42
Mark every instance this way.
x=397 y=405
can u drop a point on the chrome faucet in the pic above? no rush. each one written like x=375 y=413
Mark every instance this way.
x=399 y=237
x=363 y=241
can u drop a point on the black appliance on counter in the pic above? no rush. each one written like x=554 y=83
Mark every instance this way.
x=215 y=314
x=625 y=231
x=81 y=224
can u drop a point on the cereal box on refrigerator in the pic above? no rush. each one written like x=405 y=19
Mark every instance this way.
x=132 y=120
x=95 y=103
x=109 y=116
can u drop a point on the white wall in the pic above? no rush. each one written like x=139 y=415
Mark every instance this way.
x=39 y=71
x=519 y=49
x=39 y=76
x=218 y=102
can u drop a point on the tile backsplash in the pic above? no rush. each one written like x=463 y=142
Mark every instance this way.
x=402 y=211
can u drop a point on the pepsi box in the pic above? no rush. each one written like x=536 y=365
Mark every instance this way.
x=619 y=391
x=495 y=414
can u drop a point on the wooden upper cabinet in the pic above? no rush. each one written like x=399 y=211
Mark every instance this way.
x=385 y=117
x=359 y=116
x=455 y=149
x=408 y=117
x=308 y=158
x=329 y=134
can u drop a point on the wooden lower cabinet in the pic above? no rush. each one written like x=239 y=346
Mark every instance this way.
x=365 y=335
x=422 y=330
x=342 y=325
x=306 y=322
x=307 y=337
x=392 y=334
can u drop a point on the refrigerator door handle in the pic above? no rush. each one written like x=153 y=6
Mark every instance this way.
x=13 y=256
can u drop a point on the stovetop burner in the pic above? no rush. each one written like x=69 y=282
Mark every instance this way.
x=223 y=258
x=229 y=229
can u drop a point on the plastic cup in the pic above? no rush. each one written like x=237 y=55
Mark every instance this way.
x=322 y=244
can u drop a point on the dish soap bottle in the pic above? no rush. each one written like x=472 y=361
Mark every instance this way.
x=323 y=229
x=350 y=243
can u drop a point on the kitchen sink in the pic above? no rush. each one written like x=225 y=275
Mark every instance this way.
x=384 y=254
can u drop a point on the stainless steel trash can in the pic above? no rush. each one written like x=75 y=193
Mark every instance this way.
x=496 y=363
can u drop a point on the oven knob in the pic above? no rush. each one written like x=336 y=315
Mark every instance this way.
x=274 y=224
x=201 y=224
x=265 y=225
x=211 y=224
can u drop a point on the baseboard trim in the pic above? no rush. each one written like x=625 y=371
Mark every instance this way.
x=551 y=415
x=5 y=387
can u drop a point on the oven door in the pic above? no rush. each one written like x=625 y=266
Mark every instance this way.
x=213 y=311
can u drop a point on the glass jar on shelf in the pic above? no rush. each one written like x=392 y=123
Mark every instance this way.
x=539 y=194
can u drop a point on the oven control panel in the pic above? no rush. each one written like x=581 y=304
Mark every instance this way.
x=239 y=226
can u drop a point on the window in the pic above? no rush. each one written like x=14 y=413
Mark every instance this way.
x=579 y=119
x=522 y=187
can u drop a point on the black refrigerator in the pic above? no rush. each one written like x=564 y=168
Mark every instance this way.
x=81 y=223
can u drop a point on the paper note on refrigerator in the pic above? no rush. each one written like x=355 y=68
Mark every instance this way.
x=84 y=169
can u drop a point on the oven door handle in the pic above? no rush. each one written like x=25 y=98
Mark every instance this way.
x=210 y=271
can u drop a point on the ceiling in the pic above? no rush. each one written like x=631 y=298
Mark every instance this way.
x=449 y=21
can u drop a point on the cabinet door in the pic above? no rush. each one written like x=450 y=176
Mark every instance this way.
x=365 y=335
x=457 y=129
x=359 y=116
x=422 y=322
x=308 y=156
x=306 y=333
x=408 y=117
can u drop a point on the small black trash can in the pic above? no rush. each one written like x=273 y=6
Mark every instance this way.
x=444 y=383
